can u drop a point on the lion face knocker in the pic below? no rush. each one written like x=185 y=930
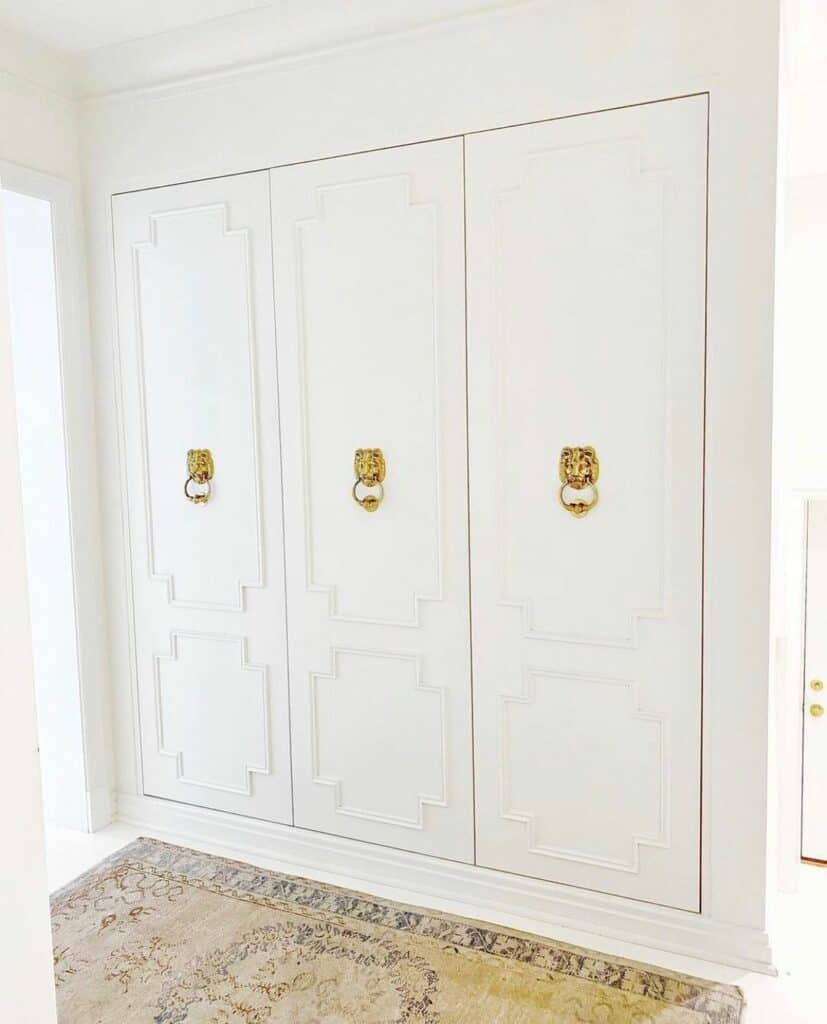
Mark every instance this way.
x=579 y=470
x=201 y=468
x=369 y=467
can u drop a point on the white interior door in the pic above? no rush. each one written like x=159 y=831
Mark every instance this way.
x=369 y=270
x=814 y=819
x=586 y=277
x=194 y=274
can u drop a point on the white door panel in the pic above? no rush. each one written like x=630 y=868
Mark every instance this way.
x=586 y=279
x=814 y=822
x=199 y=371
x=369 y=271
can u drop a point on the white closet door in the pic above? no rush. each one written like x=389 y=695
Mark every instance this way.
x=814 y=776
x=369 y=270
x=197 y=344
x=586 y=242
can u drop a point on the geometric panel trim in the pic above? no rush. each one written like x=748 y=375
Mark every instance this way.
x=242 y=718
x=628 y=728
x=416 y=693
x=241 y=238
x=531 y=174
x=429 y=210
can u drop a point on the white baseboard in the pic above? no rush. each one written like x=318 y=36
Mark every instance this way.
x=471 y=891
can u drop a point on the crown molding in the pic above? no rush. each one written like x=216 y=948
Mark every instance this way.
x=263 y=38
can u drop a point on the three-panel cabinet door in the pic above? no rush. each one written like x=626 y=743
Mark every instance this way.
x=369 y=283
x=586 y=276
x=198 y=372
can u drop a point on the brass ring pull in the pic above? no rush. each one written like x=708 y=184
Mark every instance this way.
x=579 y=470
x=200 y=497
x=369 y=467
x=201 y=469
x=369 y=502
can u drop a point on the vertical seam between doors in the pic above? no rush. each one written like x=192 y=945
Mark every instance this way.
x=468 y=504
x=701 y=846
x=277 y=383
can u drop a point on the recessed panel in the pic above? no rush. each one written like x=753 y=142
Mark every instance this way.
x=212 y=712
x=388 y=774
x=587 y=223
x=595 y=793
x=369 y=336
x=193 y=295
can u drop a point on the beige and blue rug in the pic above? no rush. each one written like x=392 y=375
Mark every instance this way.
x=158 y=934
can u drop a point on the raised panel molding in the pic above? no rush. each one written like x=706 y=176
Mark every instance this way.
x=245 y=708
x=400 y=188
x=410 y=712
x=624 y=157
x=626 y=727
x=369 y=276
x=239 y=239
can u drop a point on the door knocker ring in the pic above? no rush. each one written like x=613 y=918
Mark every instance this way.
x=579 y=470
x=369 y=467
x=201 y=468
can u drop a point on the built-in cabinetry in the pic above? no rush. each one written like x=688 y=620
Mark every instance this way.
x=586 y=282
x=304 y=641
x=369 y=266
x=198 y=371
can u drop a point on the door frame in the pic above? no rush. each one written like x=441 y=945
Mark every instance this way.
x=25 y=935
x=805 y=692
x=787 y=669
x=80 y=456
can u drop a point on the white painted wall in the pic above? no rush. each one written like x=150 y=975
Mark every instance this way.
x=530 y=61
x=38 y=379
x=804 y=337
x=39 y=129
x=27 y=987
x=39 y=156
x=37 y=112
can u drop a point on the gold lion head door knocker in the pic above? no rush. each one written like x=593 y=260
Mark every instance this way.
x=201 y=468
x=369 y=467
x=579 y=470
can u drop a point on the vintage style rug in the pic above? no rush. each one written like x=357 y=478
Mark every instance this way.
x=158 y=934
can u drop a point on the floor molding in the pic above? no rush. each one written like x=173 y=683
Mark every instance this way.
x=476 y=892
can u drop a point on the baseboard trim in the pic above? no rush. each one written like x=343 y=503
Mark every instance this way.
x=474 y=891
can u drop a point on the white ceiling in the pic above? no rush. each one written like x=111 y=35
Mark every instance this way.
x=76 y=27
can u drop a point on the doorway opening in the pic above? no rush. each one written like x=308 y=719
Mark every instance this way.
x=27 y=222
x=814 y=728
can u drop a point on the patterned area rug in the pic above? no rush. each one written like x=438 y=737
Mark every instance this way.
x=161 y=934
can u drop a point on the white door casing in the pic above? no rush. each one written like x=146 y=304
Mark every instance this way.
x=814 y=776
x=198 y=370
x=586 y=299
x=369 y=282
